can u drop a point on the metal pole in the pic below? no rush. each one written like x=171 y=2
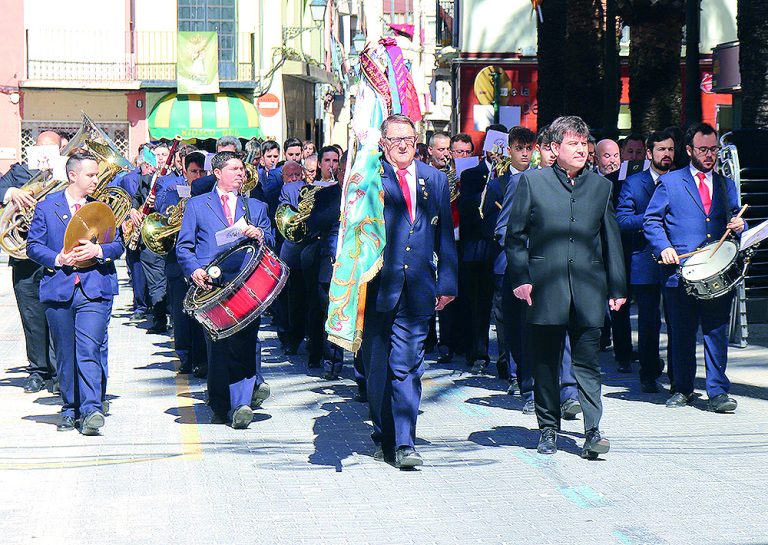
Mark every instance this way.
x=495 y=97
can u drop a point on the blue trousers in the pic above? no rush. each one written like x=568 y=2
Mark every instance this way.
x=188 y=335
x=648 y=298
x=685 y=314
x=138 y=280
x=234 y=369
x=393 y=358
x=79 y=329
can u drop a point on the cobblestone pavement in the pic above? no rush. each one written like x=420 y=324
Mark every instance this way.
x=303 y=472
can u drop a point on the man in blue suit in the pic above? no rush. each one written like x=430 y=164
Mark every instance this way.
x=234 y=363
x=690 y=208
x=188 y=338
x=644 y=272
x=411 y=285
x=78 y=297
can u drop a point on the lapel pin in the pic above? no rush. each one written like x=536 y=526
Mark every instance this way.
x=64 y=216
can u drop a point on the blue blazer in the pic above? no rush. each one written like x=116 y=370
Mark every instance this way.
x=636 y=193
x=46 y=240
x=499 y=190
x=409 y=255
x=203 y=185
x=272 y=185
x=675 y=216
x=475 y=246
x=203 y=217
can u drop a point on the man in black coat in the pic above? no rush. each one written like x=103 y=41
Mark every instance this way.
x=565 y=259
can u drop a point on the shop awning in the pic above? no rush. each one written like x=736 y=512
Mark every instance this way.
x=204 y=116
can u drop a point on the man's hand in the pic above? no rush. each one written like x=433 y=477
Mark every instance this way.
x=442 y=300
x=65 y=258
x=616 y=304
x=21 y=197
x=524 y=293
x=136 y=217
x=201 y=278
x=736 y=225
x=151 y=199
x=254 y=232
x=669 y=257
x=85 y=251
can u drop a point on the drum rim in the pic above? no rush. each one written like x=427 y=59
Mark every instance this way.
x=226 y=290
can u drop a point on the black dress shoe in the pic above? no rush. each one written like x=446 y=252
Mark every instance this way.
x=105 y=406
x=513 y=388
x=678 y=400
x=407 y=458
x=242 y=417
x=34 y=384
x=379 y=455
x=54 y=388
x=529 y=407
x=92 y=423
x=67 y=423
x=157 y=330
x=185 y=368
x=722 y=404
x=595 y=445
x=138 y=316
x=260 y=394
x=624 y=367
x=478 y=368
x=649 y=386
x=547 y=441
x=218 y=418
x=569 y=409
x=201 y=371
x=445 y=357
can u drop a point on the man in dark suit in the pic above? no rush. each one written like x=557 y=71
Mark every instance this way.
x=78 y=298
x=691 y=207
x=565 y=259
x=234 y=363
x=25 y=277
x=188 y=339
x=204 y=184
x=477 y=259
x=410 y=286
x=644 y=272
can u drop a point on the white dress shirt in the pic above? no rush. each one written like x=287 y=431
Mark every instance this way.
x=707 y=178
x=231 y=201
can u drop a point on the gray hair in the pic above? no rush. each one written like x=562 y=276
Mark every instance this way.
x=567 y=124
x=220 y=159
x=437 y=135
x=396 y=118
x=229 y=141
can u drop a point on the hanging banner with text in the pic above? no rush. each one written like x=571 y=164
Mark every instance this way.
x=197 y=63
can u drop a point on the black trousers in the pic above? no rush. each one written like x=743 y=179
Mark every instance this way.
x=157 y=285
x=26 y=276
x=547 y=343
x=478 y=283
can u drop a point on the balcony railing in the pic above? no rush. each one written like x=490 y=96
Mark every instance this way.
x=108 y=56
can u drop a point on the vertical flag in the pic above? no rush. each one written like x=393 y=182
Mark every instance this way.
x=197 y=63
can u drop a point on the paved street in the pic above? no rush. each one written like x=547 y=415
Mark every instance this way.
x=302 y=472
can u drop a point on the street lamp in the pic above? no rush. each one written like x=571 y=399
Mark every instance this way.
x=359 y=42
x=317 y=9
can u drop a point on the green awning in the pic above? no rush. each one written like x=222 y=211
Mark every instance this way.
x=204 y=116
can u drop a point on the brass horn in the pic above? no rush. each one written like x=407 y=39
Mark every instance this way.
x=159 y=231
x=292 y=223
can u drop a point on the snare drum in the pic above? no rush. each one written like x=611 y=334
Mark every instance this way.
x=707 y=276
x=246 y=280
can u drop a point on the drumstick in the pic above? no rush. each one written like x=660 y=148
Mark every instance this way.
x=683 y=256
x=727 y=231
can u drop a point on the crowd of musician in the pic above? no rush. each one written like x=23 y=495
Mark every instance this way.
x=292 y=195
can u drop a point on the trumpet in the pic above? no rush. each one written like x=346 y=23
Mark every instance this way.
x=159 y=232
x=15 y=221
x=292 y=223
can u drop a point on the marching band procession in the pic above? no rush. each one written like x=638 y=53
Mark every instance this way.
x=378 y=254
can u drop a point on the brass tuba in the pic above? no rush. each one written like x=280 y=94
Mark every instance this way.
x=251 y=172
x=292 y=223
x=159 y=231
x=15 y=222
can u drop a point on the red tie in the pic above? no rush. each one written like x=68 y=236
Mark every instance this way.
x=706 y=198
x=77 y=206
x=225 y=206
x=401 y=172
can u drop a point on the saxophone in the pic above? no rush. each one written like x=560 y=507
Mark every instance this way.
x=292 y=223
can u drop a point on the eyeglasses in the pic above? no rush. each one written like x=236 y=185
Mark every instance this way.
x=705 y=150
x=397 y=140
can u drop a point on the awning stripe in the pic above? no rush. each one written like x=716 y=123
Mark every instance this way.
x=195 y=112
x=223 y=112
x=163 y=112
x=250 y=113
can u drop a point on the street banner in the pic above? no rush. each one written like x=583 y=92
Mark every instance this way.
x=197 y=63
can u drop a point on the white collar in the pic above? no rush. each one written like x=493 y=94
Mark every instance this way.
x=72 y=202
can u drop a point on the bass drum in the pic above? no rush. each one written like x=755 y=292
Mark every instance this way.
x=246 y=280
